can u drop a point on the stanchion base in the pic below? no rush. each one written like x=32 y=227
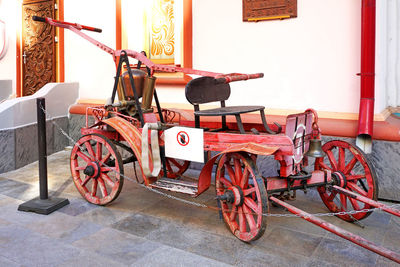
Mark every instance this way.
x=43 y=206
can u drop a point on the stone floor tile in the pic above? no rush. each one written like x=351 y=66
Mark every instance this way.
x=104 y=216
x=291 y=241
x=221 y=248
x=174 y=210
x=344 y=253
x=116 y=245
x=4 y=223
x=9 y=263
x=272 y=257
x=177 y=236
x=10 y=213
x=139 y=224
x=385 y=262
x=167 y=256
x=65 y=228
x=31 y=249
x=86 y=258
x=7 y=185
x=321 y=263
x=392 y=237
x=77 y=206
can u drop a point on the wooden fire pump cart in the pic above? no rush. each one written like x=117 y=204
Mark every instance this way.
x=344 y=178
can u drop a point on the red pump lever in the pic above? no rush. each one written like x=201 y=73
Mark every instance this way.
x=75 y=25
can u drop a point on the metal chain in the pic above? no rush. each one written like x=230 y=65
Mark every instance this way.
x=331 y=214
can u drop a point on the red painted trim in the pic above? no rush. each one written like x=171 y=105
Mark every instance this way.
x=187 y=34
x=61 y=42
x=118 y=25
x=18 y=67
x=366 y=117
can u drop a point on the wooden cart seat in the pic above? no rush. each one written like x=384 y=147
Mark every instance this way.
x=232 y=110
x=205 y=90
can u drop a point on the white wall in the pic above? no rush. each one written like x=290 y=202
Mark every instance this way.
x=309 y=61
x=93 y=68
x=8 y=13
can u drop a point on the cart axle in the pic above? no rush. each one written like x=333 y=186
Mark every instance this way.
x=339 y=231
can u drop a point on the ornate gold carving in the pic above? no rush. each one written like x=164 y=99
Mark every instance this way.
x=162 y=41
x=38 y=47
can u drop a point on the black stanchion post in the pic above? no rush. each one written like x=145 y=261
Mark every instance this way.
x=42 y=204
x=42 y=145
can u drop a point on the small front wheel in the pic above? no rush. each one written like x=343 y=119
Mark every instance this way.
x=242 y=196
x=97 y=169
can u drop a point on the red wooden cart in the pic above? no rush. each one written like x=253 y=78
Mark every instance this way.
x=341 y=173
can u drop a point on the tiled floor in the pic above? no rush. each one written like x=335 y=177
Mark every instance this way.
x=142 y=228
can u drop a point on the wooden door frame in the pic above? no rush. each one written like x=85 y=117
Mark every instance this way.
x=60 y=67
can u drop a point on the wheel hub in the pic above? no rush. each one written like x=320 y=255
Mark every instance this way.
x=339 y=179
x=92 y=170
x=233 y=195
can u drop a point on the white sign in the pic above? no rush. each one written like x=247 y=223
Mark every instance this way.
x=184 y=143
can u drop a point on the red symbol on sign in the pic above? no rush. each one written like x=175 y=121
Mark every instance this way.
x=183 y=138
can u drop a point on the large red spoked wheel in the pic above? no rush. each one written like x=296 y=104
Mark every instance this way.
x=97 y=169
x=241 y=195
x=352 y=171
x=175 y=167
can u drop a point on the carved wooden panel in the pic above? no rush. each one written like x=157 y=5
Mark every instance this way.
x=38 y=47
x=256 y=10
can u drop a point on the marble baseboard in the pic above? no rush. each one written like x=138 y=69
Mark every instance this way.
x=19 y=146
x=75 y=123
x=7 y=150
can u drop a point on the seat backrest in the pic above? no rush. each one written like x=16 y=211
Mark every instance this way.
x=205 y=89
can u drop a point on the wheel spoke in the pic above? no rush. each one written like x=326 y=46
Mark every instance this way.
x=168 y=165
x=102 y=162
x=225 y=182
x=354 y=203
x=251 y=204
x=99 y=151
x=332 y=196
x=107 y=179
x=324 y=166
x=343 y=200
x=233 y=215
x=231 y=173
x=109 y=169
x=341 y=159
x=103 y=188
x=248 y=191
x=350 y=166
x=245 y=178
x=83 y=156
x=332 y=159
x=84 y=182
x=357 y=189
x=238 y=171
x=173 y=161
x=94 y=187
x=250 y=218
x=355 y=177
x=79 y=168
x=242 y=220
x=90 y=149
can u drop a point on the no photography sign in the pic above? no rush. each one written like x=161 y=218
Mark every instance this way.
x=184 y=143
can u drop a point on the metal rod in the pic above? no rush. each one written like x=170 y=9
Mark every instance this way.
x=366 y=200
x=339 y=231
x=41 y=124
